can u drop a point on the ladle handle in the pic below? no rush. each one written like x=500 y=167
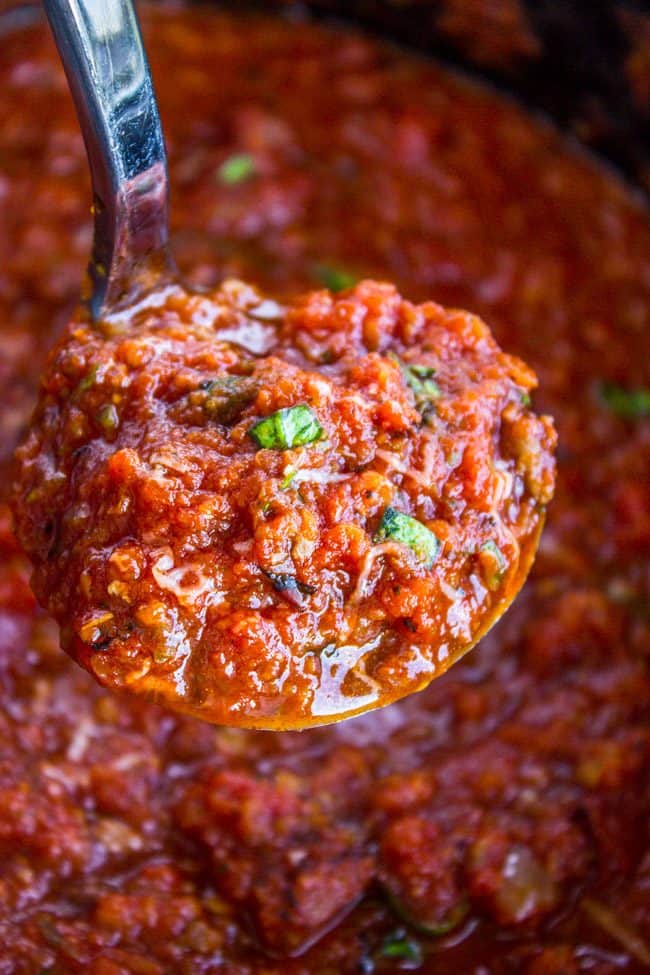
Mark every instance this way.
x=101 y=48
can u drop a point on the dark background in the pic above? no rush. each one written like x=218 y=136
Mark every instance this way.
x=585 y=62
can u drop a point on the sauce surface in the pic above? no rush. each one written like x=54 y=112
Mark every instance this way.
x=496 y=822
x=277 y=517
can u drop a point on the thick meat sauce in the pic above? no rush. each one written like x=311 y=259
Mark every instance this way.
x=496 y=822
x=284 y=538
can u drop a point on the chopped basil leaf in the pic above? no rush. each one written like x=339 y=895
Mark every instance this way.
x=493 y=562
x=403 y=528
x=108 y=418
x=525 y=398
x=399 y=945
x=334 y=278
x=630 y=404
x=420 y=380
x=294 y=426
x=236 y=169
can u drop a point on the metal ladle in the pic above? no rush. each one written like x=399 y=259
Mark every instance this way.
x=101 y=48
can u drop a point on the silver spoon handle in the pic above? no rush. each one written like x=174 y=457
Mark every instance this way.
x=101 y=49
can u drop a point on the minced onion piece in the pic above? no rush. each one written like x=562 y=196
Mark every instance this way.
x=310 y=475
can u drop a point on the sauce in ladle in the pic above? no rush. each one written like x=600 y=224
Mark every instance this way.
x=280 y=516
x=273 y=516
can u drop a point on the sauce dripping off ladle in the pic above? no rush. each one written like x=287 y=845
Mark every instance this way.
x=261 y=515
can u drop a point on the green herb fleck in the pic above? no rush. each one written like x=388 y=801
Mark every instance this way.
x=294 y=426
x=287 y=479
x=431 y=928
x=403 y=528
x=236 y=169
x=399 y=945
x=88 y=380
x=223 y=399
x=334 y=278
x=525 y=398
x=629 y=404
x=420 y=380
x=108 y=418
x=494 y=563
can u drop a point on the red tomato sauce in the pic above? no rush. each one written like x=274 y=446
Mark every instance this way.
x=494 y=823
